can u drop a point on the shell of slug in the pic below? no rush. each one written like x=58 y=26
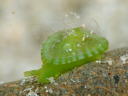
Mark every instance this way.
x=67 y=49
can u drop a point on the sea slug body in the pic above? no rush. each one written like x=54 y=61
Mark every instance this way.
x=67 y=49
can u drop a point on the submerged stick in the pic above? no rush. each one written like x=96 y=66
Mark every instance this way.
x=105 y=77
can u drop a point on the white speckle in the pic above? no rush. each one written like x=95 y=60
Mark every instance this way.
x=110 y=62
x=72 y=32
x=27 y=89
x=124 y=58
x=55 y=83
x=69 y=50
x=51 y=79
x=78 y=45
x=73 y=80
x=22 y=82
x=45 y=87
x=67 y=47
x=98 y=61
x=27 y=79
x=31 y=93
x=87 y=36
x=83 y=38
x=50 y=91
x=85 y=86
x=46 y=91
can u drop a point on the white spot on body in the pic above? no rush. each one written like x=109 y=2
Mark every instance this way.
x=72 y=32
x=83 y=38
x=70 y=50
x=87 y=36
x=78 y=45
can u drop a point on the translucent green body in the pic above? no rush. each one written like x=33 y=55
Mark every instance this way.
x=67 y=49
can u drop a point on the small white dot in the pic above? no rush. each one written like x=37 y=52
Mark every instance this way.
x=78 y=45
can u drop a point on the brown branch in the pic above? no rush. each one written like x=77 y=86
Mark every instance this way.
x=106 y=77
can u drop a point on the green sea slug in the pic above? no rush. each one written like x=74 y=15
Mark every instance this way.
x=67 y=49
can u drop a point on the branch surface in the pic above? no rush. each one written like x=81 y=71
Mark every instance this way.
x=105 y=77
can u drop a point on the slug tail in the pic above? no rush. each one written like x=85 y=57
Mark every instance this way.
x=31 y=73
